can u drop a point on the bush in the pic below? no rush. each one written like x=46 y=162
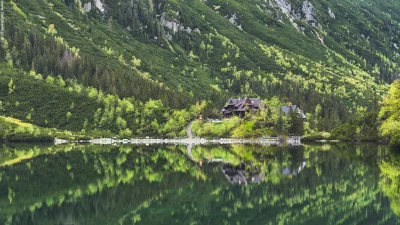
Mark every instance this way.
x=317 y=136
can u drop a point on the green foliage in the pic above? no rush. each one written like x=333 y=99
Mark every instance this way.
x=317 y=136
x=390 y=181
x=69 y=114
x=50 y=80
x=296 y=124
x=11 y=86
x=12 y=130
x=362 y=128
x=234 y=127
x=215 y=130
x=71 y=106
x=244 y=130
x=390 y=114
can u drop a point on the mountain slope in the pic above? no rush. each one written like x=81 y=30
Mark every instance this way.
x=339 y=54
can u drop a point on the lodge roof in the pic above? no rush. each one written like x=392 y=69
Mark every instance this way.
x=239 y=102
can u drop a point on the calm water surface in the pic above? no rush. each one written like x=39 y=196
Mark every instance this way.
x=124 y=185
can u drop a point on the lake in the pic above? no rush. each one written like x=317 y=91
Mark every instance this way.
x=207 y=184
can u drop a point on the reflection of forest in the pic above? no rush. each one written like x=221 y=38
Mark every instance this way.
x=337 y=184
x=390 y=180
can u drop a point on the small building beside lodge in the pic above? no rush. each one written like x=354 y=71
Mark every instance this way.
x=240 y=106
x=292 y=108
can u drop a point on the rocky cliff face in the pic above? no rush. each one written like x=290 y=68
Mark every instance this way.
x=309 y=13
x=88 y=6
x=99 y=5
x=295 y=14
x=331 y=13
x=324 y=21
x=285 y=6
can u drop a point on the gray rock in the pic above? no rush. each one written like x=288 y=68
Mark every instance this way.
x=99 y=5
x=331 y=14
x=87 y=7
x=285 y=6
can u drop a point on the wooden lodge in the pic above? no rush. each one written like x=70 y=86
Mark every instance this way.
x=240 y=106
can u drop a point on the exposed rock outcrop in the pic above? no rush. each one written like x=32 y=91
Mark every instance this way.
x=331 y=14
x=285 y=6
x=173 y=25
x=309 y=13
x=233 y=20
x=294 y=14
x=99 y=5
x=87 y=7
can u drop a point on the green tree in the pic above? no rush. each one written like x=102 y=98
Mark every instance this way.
x=60 y=81
x=11 y=86
x=69 y=114
x=390 y=115
x=9 y=60
x=280 y=125
x=121 y=123
x=296 y=124
x=50 y=80
x=135 y=61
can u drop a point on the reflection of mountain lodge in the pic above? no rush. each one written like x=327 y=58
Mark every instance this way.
x=239 y=175
x=240 y=106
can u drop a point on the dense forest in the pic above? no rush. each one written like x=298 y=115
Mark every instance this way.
x=390 y=114
x=139 y=68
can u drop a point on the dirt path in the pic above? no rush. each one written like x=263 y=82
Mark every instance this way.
x=189 y=131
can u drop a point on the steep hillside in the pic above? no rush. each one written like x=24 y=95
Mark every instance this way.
x=67 y=105
x=338 y=54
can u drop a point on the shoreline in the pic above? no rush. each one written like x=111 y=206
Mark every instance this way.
x=186 y=141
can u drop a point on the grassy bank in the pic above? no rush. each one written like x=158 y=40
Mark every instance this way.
x=14 y=130
x=233 y=128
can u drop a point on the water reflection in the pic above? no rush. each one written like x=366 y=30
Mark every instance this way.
x=390 y=179
x=294 y=172
x=312 y=184
x=242 y=174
